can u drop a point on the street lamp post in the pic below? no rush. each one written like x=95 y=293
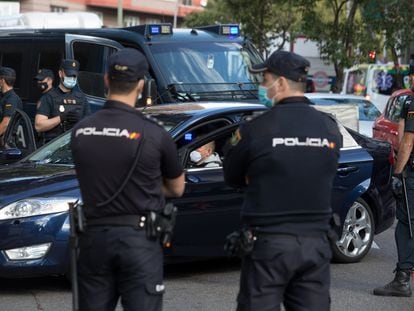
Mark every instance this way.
x=177 y=6
x=120 y=18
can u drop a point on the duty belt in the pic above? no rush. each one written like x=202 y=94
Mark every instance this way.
x=136 y=221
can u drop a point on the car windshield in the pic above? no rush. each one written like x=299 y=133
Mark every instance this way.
x=207 y=70
x=58 y=151
x=367 y=110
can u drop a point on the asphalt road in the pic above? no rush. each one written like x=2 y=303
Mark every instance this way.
x=212 y=285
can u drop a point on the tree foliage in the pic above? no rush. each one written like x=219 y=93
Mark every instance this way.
x=392 y=21
x=338 y=31
x=215 y=12
x=345 y=30
x=267 y=22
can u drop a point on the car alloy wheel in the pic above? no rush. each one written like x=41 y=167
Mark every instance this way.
x=357 y=234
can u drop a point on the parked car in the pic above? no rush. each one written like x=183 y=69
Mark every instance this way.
x=386 y=125
x=34 y=193
x=368 y=112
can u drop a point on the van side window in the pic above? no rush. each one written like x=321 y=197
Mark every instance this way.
x=93 y=61
x=13 y=60
x=356 y=82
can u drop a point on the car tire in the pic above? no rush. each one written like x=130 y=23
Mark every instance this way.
x=357 y=234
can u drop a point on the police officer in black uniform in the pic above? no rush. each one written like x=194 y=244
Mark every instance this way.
x=286 y=159
x=63 y=106
x=9 y=100
x=44 y=80
x=400 y=285
x=114 y=145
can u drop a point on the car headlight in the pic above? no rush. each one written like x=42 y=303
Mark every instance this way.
x=35 y=207
x=28 y=252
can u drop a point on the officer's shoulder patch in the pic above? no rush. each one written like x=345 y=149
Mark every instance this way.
x=236 y=137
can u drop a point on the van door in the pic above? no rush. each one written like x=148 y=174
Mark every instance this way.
x=92 y=54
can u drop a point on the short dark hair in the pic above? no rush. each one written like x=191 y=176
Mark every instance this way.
x=9 y=80
x=121 y=87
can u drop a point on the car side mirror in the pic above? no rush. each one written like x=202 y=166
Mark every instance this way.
x=149 y=94
x=11 y=154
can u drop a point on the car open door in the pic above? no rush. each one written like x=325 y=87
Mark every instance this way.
x=93 y=54
x=19 y=138
x=209 y=210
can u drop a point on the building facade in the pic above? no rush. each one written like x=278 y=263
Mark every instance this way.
x=134 y=12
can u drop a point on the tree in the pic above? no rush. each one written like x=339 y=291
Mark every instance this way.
x=337 y=27
x=215 y=12
x=393 y=23
x=267 y=22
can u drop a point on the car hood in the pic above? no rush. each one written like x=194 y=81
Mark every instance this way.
x=22 y=181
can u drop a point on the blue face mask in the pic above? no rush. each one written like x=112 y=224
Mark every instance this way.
x=69 y=82
x=263 y=99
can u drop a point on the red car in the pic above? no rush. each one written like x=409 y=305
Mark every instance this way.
x=386 y=125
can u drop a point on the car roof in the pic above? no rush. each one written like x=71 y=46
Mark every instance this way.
x=334 y=96
x=402 y=92
x=201 y=108
x=128 y=33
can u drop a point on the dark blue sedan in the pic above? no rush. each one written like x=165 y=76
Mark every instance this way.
x=35 y=191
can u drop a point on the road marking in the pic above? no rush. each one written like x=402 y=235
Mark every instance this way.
x=375 y=245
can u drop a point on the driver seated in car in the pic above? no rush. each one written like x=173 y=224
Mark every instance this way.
x=205 y=156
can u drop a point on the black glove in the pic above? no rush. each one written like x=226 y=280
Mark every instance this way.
x=239 y=243
x=71 y=116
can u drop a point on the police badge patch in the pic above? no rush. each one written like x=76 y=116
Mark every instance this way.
x=235 y=138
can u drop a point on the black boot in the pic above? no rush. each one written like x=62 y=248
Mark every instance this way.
x=400 y=286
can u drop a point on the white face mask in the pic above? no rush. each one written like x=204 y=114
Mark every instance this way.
x=69 y=82
x=195 y=156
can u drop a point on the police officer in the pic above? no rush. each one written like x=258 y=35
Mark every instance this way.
x=63 y=106
x=44 y=80
x=9 y=101
x=114 y=145
x=286 y=159
x=400 y=286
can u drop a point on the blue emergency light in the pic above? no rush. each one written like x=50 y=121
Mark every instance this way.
x=231 y=30
x=149 y=30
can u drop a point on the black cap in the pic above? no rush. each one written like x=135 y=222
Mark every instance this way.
x=127 y=65
x=7 y=72
x=285 y=64
x=70 y=67
x=43 y=74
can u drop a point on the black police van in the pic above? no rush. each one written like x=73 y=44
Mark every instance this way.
x=200 y=64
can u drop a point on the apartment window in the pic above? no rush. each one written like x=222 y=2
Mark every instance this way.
x=187 y=2
x=131 y=20
x=55 y=8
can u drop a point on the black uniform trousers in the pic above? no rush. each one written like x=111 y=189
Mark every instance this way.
x=405 y=245
x=118 y=262
x=288 y=269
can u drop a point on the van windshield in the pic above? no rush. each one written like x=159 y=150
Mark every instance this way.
x=356 y=82
x=207 y=70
